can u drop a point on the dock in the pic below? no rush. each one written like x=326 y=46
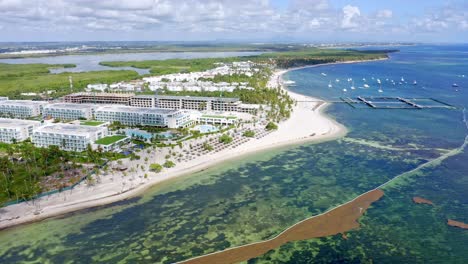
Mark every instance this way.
x=361 y=102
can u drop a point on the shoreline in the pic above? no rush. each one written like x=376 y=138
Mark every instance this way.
x=321 y=128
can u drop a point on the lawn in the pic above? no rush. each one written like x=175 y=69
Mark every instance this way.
x=91 y=123
x=110 y=139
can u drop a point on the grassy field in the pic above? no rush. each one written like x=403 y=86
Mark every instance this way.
x=18 y=78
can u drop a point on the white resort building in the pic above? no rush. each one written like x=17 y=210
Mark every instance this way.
x=68 y=111
x=67 y=137
x=21 y=108
x=140 y=116
x=12 y=130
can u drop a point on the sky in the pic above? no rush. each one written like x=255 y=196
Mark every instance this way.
x=235 y=20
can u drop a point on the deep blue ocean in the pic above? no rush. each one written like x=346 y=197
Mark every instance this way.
x=258 y=196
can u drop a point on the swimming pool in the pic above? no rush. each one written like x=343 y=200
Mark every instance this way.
x=206 y=129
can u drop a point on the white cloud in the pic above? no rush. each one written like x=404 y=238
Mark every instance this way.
x=385 y=13
x=350 y=14
x=219 y=18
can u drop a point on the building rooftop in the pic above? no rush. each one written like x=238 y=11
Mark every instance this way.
x=69 y=129
x=22 y=102
x=69 y=106
x=224 y=99
x=126 y=95
x=13 y=123
x=131 y=109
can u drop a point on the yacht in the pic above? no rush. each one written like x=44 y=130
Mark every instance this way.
x=366 y=86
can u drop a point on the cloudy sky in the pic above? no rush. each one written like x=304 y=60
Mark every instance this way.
x=242 y=20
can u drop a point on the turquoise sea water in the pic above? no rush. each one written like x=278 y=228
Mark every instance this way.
x=256 y=197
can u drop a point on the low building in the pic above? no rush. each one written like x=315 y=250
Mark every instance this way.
x=16 y=130
x=21 y=108
x=68 y=137
x=97 y=87
x=111 y=143
x=68 y=111
x=140 y=116
x=217 y=120
x=99 y=98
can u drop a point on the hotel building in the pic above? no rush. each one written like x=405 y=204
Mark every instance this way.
x=67 y=137
x=99 y=98
x=68 y=111
x=12 y=130
x=140 y=116
x=21 y=108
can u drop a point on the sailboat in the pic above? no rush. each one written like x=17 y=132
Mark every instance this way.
x=402 y=79
x=380 y=89
x=378 y=81
x=330 y=85
x=352 y=86
x=415 y=83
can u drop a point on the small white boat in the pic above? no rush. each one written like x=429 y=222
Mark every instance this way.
x=330 y=85
x=337 y=80
x=378 y=81
x=344 y=90
x=415 y=83
x=366 y=86
x=380 y=91
x=289 y=82
x=454 y=85
x=402 y=79
x=324 y=74
x=352 y=86
x=364 y=79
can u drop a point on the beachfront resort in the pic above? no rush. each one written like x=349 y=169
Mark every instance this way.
x=148 y=135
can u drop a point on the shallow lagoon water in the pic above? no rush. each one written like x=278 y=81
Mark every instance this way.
x=91 y=62
x=256 y=197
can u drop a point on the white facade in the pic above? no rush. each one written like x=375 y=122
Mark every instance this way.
x=16 y=129
x=21 y=108
x=140 y=116
x=67 y=137
x=68 y=111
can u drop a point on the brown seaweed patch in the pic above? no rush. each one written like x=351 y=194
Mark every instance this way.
x=336 y=221
x=420 y=200
x=454 y=223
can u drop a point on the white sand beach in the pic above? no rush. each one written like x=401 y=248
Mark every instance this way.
x=307 y=123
